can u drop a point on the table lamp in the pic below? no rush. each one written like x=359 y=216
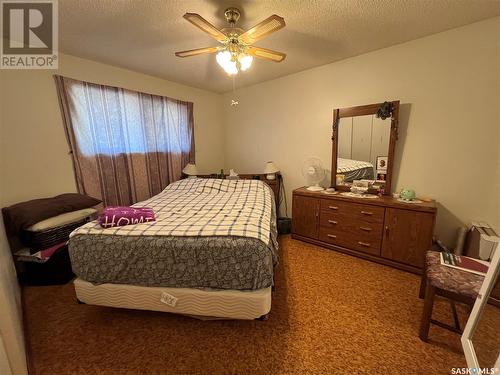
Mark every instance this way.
x=270 y=170
x=190 y=170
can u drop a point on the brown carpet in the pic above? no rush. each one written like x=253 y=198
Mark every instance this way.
x=332 y=313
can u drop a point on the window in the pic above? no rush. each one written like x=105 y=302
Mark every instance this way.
x=121 y=137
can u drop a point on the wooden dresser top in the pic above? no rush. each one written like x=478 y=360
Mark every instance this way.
x=385 y=201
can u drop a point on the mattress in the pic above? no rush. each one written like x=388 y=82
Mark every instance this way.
x=209 y=234
x=355 y=169
x=44 y=239
x=230 y=304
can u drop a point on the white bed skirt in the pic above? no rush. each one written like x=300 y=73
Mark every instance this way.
x=229 y=304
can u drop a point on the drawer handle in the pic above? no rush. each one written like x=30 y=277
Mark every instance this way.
x=365 y=229
x=331 y=235
x=333 y=207
x=332 y=222
x=367 y=213
x=366 y=244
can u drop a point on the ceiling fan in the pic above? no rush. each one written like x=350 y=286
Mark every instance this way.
x=236 y=51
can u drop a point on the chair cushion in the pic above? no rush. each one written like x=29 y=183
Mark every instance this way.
x=451 y=279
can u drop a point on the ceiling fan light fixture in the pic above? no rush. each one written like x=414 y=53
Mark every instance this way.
x=237 y=50
x=224 y=59
x=231 y=68
x=245 y=61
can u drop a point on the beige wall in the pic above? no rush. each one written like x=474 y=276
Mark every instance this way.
x=4 y=360
x=34 y=152
x=448 y=148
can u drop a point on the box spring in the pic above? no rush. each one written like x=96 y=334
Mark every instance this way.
x=229 y=304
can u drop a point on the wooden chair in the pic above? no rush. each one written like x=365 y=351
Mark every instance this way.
x=454 y=284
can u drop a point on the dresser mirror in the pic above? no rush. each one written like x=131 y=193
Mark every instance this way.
x=363 y=143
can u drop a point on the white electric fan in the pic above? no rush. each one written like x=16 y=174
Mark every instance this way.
x=313 y=172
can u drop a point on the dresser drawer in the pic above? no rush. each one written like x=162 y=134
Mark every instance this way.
x=350 y=230
x=346 y=219
x=353 y=237
x=332 y=235
x=367 y=242
x=362 y=231
x=334 y=206
x=353 y=211
x=330 y=219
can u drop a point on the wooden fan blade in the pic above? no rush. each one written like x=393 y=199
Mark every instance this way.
x=266 y=54
x=205 y=26
x=197 y=51
x=263 y=29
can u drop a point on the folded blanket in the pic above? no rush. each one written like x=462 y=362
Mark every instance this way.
x=27 y=255
x=122 y=215
x=47 y=253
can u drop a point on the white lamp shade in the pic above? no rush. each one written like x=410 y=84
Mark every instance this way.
x=271 y=168
x=190 y=170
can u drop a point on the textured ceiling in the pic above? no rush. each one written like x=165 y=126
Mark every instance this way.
x=142 y=35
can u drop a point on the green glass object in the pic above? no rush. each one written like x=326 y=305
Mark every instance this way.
x=407 y=194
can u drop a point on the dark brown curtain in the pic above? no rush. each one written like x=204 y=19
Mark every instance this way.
x=126 y=145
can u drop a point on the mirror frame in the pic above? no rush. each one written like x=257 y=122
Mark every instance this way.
x=363 y=110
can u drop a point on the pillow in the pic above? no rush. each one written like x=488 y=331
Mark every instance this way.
x=23 y=215
x=63 y=219
x=73 y=201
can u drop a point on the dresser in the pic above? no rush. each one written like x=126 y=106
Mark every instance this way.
x=382 y=229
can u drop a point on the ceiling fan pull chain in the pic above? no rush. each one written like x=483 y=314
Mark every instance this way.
x=234 y=103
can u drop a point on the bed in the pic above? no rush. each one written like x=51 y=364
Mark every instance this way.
x=355 y=169
x=211 y=252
